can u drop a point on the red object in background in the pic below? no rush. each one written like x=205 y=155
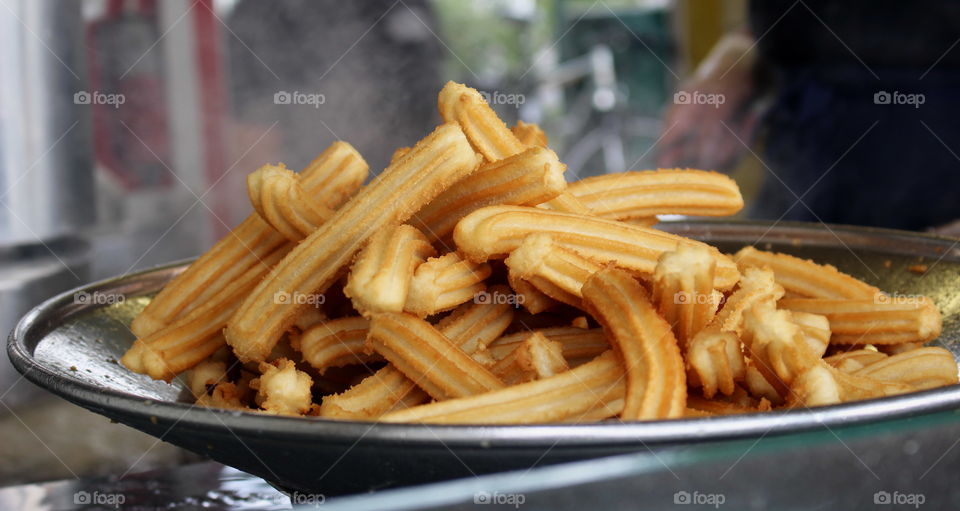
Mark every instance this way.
x=131 y=140
x=212 y=101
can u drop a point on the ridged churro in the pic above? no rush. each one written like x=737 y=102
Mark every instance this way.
x=434 y=163
x=874 y=321
x=333 y=175
x=557 y=272
x=643 y=194
x=532 y=299
x=816 y=330
x=823 y=384
x=495 y=231
x=429 y=358
x=756 y=285
x=279 y=199
x=568 y=395
x=529 y=134
x=380 y=277
x=851 y=361
x=656 y=381
x=335 y=343
x=716 y=359
x=192 y=338
x=535 y=358
x=486 y=132
x=777 y=345
x=805 y=277
x=683 y=289
x=924 y=368
x=577 y=343
x=442 y=283
x=471 y=327
x=525 y=179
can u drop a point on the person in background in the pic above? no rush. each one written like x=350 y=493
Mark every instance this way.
x=852 y=105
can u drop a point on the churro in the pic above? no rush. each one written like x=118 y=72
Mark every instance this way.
x=656 y=382
x=536 y=357
x=428 y=357
x=557 y=272
x=333 y=175
x=529 y=134
x=805 y=277
x=851 y=361
x=279 y=199
x=495 y=231
x=683 y=289
x=823 y=384
x=380 y=277
x=924 y=368
x=874 y=321
x=568 y=395
x=577 y=343
x=471 y=327
x=525 y=179
x=434 y=163
x=756 y=285
x=282 y=389
x=335 y=343
x=777 y=345
x=532 y=299
x=442 y=283
x=486 y=132
x=716 y=359
x=644 y=194
x=192 y=338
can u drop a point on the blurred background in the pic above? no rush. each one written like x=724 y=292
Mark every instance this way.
x=127 y=127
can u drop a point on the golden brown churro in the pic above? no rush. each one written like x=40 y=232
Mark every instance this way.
x=282 y=389
x=529 y=134
x=536 y=357
x=428 y=357
x=194 y=337
x=648 y=193
x=683 y=289
x=716 y=359
x=656 y=382
x=434 y=163
x=526 y=178
x=805 y=277
x=444 y=282
x=557 y=272
x=823 y=385
x=495 y=231
x=279 y=199
x=471 y=327
x=337 y=172
x=486 y=132
x=570 y=394
x=335 y=343
x=532 y=299
x=756 y=285
x=874 y=321
x=380 y=277
x=577 y=343
x=923 y=368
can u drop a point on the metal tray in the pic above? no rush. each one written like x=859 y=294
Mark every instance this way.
x=71 y=347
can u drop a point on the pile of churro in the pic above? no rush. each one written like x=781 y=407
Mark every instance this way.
x=470 y=283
